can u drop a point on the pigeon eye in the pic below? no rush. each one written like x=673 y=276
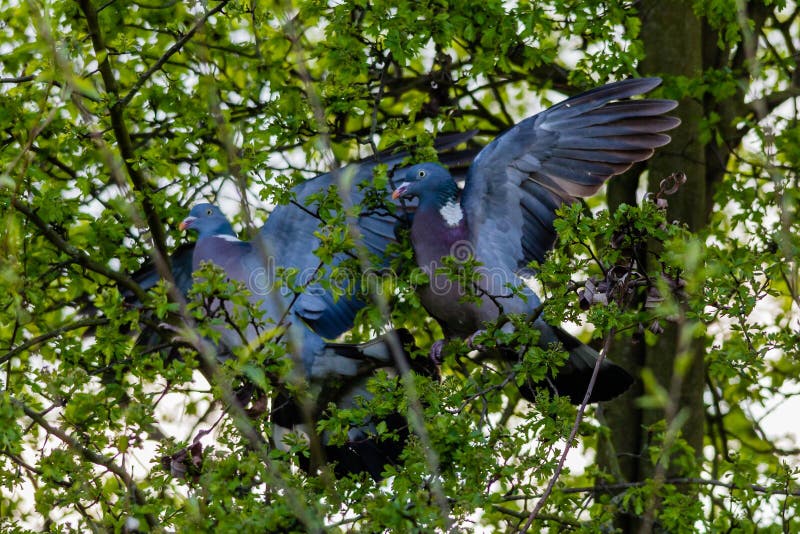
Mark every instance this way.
x=209 y=212
x=421 y=173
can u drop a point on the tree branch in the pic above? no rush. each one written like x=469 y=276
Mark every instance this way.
x=49 y=335
x=581 y=409
x=18 y=79
x=78 y=256
x=91 y=456
x=679 y=481
x=773 y=100
x=169 y=53
x=124 y=139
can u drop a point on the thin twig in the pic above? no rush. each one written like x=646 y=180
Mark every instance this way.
x=94 y=457
x=581 y=409
x=49 y=335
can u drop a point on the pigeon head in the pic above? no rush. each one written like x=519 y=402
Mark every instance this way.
x=430 y=182
x=208 y=220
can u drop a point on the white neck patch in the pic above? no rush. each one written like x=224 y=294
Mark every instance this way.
x=451 y=213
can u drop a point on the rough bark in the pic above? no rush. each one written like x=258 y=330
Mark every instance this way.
x=673 y=40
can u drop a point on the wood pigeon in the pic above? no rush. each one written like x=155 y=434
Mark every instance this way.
x=290 y=235
x=504 y=216
x=349 y=367
x=336 y=372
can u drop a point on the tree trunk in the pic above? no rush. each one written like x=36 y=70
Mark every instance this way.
x=672 y=37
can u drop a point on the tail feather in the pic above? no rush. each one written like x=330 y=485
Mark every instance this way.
x=364 y=452
x=572 y=380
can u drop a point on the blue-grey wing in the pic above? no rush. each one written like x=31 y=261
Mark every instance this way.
x=562 y=153
x=290 y=233
x=181 y=261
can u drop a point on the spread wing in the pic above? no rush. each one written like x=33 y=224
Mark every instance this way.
x=567 y=151
x=289 y=237
x=290 y=232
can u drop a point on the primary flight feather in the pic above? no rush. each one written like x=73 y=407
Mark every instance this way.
x=504 y=216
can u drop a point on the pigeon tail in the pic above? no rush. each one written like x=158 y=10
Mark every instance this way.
x=572 y=380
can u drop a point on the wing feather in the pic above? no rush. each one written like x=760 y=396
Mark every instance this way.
x=290 y=231
x=289 y=240
x=567 y=151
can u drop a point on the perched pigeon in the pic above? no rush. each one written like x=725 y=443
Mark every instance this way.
x=335 y=372
x=504 y=216
x=290 y=235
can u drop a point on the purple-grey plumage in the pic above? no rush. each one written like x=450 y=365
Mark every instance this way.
x=338 y=372
x=289 y=239
x=290 y=235
x=504 y=216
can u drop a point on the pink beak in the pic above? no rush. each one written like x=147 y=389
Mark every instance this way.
x=186 y=223
x=400 y=191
